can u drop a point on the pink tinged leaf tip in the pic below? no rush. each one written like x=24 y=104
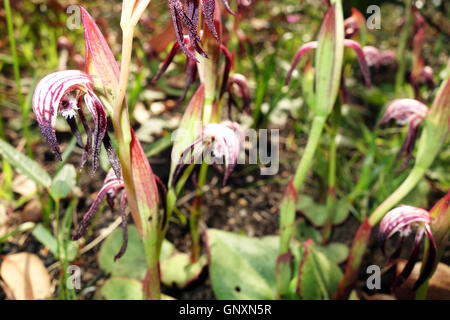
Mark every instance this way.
x=99 y=59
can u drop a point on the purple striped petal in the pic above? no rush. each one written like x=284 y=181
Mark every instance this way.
x=361 y=59
x=404 y=110
x=111 y=186
x=48 y=97
x=298 y=56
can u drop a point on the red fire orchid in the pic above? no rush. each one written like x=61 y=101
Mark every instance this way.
x=402 y=219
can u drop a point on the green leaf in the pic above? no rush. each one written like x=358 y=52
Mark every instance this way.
x=329 y=59
x=46 y=238
x=179 y=271
x=242 y=267
x=121 y=288
x=303 y=231
x=24 y=165
x=63 y=182
x=317 y=214
x=132 y=264
x=336 y=252
x=320 y=276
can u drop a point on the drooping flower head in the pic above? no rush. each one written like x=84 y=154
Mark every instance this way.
x=65 y=92
x=188 y=15
x=402 y=220
x=217 y=141
x=406 y=111
x=111 y=189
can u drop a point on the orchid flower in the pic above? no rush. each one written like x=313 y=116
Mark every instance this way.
x=223 y=140
x=378 y=58
x=420 y=73
x=189 y=16
x=192 y=70
x=406 y=111
x=354 y=23
x=347 y=43
x=63 y=92
x=111 y=189
x=402 y=219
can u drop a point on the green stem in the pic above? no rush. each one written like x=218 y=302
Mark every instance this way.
x=331 y=196
x=413 y=178
x=150 y=241
x=59 y=246
x=311 y=146
x=196 y=213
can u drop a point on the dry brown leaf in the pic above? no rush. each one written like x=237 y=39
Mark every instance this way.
x=23 y=186
x=32 y=211
x=438 y=287
x=26 y=276
x=3 y=220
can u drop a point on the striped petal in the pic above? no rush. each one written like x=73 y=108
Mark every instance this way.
x=404 y=110
x=48 y=96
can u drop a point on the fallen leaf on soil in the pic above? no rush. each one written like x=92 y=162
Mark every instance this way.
x=26 y=276
x=23 y=186
x=3 y=220
x=32 y=211
x=438 y=288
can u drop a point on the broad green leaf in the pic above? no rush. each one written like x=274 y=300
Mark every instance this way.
x=336 y=252
x=317 y=214
x=63 y=182
x=320 y=276
x=179 y=271
x=122 y=288
x=132 y=264
x=24 y=165
x=303 y=231
x=242 y=267
x=46 y=238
